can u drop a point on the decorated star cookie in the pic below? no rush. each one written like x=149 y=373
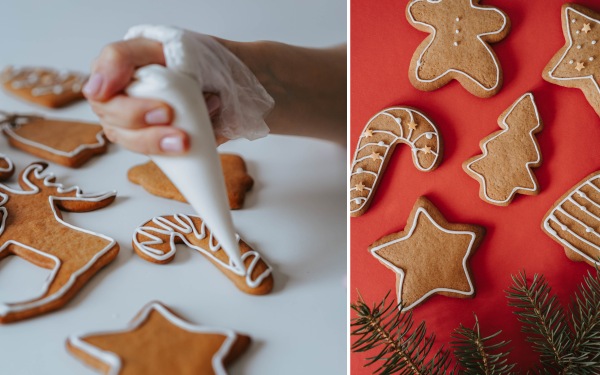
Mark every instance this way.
x=156 y=182
x=430 y=256
x=33 y=229
x=504 y=169
x=574 y=221
x=67 y=143
x=458 y=45
x=159 y=342
x=577 y=63
x=155 y=242
x=383 y=133
x=48 y=87
x=7 y=167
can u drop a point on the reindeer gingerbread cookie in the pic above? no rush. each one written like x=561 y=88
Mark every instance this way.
x=7 y=167
x=32 y=228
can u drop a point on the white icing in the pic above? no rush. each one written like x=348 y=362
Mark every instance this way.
x=485 y=152
x=79 y=196
x=591 y=59
x=578 y=47
x=593 y=42
x=10 y=166
x=457 y=31
x=457 y=19
x=456 y=43
x=478 y=37
x=577 y=32
x=114 y=362
x=51 y=81
x=571 y=62
x=573 y=20
x=401 y=272
x=186 y=225
x=414 y=149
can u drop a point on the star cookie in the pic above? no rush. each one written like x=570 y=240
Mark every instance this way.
x=430 y=256
x=7 y=167
x=504 y=169
x=237 y=180
x=577 y=63
x=574 y=221
x=458 y=45
x=159 y=342
x=389 y=128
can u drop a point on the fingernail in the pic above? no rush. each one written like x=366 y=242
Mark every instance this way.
x=156 y=116
x=172 y=144
x=213 y=103
x=93 y=84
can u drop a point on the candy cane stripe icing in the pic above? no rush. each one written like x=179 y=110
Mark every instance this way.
x=377 y=142
x=155 y=241
x=574 y=221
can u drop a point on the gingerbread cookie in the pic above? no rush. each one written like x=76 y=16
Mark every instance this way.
x=48 y=87
x=155 y=242
x=577 y=63
x=383 y=133
x=504 y=169
x=430 y=256
x=7 y=167
x=32 y=228
x=67 y=143
x=574 y=221
x=155 y=182
x=458 y=45
x=159 y=342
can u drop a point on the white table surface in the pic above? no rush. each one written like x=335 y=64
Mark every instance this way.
x=295 y=214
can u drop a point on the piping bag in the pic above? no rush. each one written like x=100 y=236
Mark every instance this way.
x=201 y=166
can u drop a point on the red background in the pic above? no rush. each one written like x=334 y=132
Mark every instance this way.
x=382 y=43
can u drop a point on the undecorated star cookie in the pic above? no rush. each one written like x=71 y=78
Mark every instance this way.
x=237 y=180
x=33 y=229
x=504 y=169
x=430 y=256
x=577 y=63
x=7 y=167
x=155 y=242
x=159 y=342
x=574 y=221
x=68 y=143
x=377 y=143
x=458 y=45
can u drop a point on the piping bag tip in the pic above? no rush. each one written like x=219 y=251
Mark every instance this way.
x=198 y=174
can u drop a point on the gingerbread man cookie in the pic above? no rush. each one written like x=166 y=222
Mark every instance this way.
x=574 y=221
x=430 y=256
x=458 y=45
x=159 y=342
x=577 y=63
x=504 y=169
x=383 y=133
x=155 y=242
x=33 y=229
x=48 y=87
x=67 y=143
x=7 y=167
x=237 y=180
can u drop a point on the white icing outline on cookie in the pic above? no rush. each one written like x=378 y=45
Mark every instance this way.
x=62 y=80
x=99 y=136
x=591 y=76
x=10 y=163
x=401 y=272
x=189 y=227
x=419 y=63
x=113 y=360
x=6 y=308
x=414 y=149
x=558 y=207
x=485 y=152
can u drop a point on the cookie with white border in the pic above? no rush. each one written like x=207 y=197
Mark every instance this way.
x=458 y=45
x=155 y=242
x=384 y=131
x=577 y=63
x=504 y=169
x=157 y=341
x=430 y=256
x=33 y=229
x=7 y=168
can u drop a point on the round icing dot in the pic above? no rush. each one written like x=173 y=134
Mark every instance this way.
x=359 y=170
x=457 y=31
x=571 y=62
x=589 y=230
x=581 y=194
x=32 y=78
x=381 y=143
x=593 y=42
x=457 y=19
x=428 y=135
x=578 y=47
x=563 y=227
x=573 y=20
x=577 y=32
x=583 y=208
x=57 y=89
x=357 y=201
x=455 y=43
x=591 y=59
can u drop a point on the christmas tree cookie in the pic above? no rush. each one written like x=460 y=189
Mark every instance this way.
x=504 y=169
x=383 y=133
x=458 y=45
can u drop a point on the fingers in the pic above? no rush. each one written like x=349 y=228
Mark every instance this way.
x=113 y=69
x=153 y=140
x=132 y=113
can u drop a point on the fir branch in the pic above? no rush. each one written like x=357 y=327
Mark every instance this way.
x=474 y=354
x=403 y=351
